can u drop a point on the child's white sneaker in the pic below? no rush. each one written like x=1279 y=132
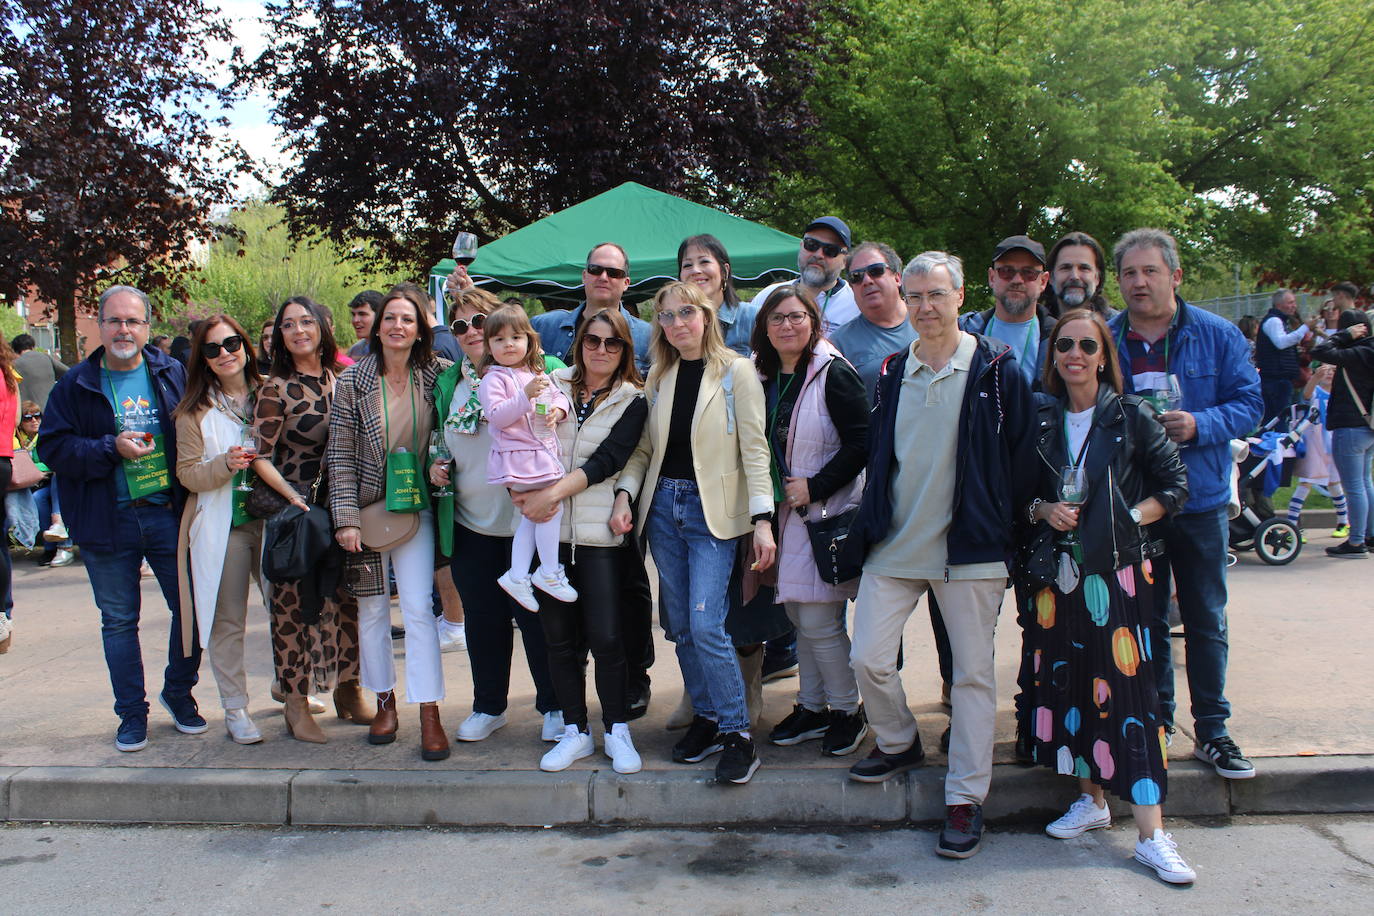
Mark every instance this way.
x=554 y=581
x=519 y=589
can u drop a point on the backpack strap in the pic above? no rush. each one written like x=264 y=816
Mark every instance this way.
x=727 y=384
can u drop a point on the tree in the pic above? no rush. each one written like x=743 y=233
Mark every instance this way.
x=1241 y=125
x=108 y=161
x=411 y=120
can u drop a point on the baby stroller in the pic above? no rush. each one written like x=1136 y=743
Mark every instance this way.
x=1265 y=463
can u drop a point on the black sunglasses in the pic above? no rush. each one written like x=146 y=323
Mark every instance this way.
x=615 y=273
x=875 y=271
x=596 y=342
x=460 y=325
x=33 y=416
x=210 y=350
x=831 y=251
x=1089 y=345
x=1028 y=274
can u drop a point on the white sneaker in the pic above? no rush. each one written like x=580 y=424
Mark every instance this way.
x=572 y=746
x=621 y=750
x=63 y=557
x=554 y=581
x=479 y=726
x=452 y=637
x=553 y=725
x=1083 y=815
x=58 y=532
x=241 y=728
x=519 y=589
x=1160 y=852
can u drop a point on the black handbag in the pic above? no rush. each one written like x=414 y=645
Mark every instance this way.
x=1035 y=558
x=828 y=535
x=263 y=501
x=294 y=540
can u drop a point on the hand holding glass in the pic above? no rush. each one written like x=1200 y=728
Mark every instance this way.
x=439 y=454
x=248 y=441
x=1073 y=491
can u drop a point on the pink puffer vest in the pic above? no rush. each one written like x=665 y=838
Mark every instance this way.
x=812 y=441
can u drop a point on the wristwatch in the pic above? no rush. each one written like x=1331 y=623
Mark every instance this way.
x=1136 y=515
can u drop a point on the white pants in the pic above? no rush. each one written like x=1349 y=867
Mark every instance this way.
x=414 y=565
x=969 y=608
x=823 y=656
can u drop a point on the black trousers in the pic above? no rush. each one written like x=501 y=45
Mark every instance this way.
x=592 y=622
x=636 y=616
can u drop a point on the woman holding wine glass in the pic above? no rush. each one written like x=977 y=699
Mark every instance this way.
x=1108 y=470
x=218 y=545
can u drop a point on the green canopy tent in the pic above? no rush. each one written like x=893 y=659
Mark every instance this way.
x=546 y=258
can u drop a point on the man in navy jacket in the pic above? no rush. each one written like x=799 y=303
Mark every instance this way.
x=109 y=437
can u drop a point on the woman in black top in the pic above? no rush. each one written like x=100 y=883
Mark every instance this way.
x=1351 y=349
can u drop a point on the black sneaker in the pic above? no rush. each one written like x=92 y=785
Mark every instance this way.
x=739 y=761
x=880 y=767
x=132 y=734
x=963 y=831
x=801 y=724
x=701 y=741
x=944 y=739
x=846 y=732
x=1225 y=758
x=776 y=668
x=638 y=706
x=1024 y=749
x=1348 y=551
x=185 y=714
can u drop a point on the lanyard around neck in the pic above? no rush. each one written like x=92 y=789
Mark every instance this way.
x=114 y=395
x=1068 y=443
x=1026 y=344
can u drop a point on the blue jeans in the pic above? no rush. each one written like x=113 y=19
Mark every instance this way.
x=1352 y=449
x=21 y=516
x=46 y=502
x=151 y=532
x=1278 y=396
x=693 y=577
x=1195 y=558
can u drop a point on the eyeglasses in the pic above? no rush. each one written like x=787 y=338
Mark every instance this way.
x=935 y=297
x=829 y=250
x=778 y=319
x=874 y=271
x=611 y=345
x=460 y=325
x=1027 y=273
x=615 y=273
x=668 y=318
x=232 y=344
x=33 y=416
x=132 y=324
x=303 y=323
x=1089 y=345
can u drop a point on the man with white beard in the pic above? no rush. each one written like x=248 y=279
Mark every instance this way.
x=1077 y=267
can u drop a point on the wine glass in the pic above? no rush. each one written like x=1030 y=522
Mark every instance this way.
x=1073 y=491
x=439 y=454
x=248 y=441
x=465 y=246
x=1170 y=395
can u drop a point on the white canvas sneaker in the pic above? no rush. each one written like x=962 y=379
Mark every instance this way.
x=453 y=637
x=1160 y=852
x=1083 y=815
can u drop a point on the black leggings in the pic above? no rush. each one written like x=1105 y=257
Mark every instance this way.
x=594 y=623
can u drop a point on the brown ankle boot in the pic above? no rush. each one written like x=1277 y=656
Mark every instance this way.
x=384 y=723
x=433 y=742
x=300 y=724
x=349 y=704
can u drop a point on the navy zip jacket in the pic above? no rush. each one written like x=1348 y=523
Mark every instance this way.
x=77 y=438
x=996 y=473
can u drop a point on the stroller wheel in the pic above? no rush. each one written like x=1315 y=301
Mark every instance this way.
x=1277 y=541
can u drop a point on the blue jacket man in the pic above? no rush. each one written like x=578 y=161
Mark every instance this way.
x=1158 y=336
x=109 y=437
x=605 y=280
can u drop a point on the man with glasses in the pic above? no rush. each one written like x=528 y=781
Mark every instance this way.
x=1160 y=337
x=108 y=435
x=881 y=327
x=1017 y=278
x=951 y=419
x=604 y=279
x=824 y=244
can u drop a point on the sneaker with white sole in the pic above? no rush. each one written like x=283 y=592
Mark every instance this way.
x=453 y=637
x=518 y=587
x=1083 y=815
x=553 y=726
x=479 y=726
x=1225 y=758
x=554 y=581
x=1160 y=852
x=63 y=557
x=572 y=746
x=621 y=749
x=57 y=532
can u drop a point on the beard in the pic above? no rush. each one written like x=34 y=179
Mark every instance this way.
x=1074 y=294
x=1016 y=303
x=817 y=277
x=124 y=349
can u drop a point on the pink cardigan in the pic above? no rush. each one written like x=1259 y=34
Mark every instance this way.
x=519 y=457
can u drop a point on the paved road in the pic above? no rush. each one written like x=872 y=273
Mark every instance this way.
x=1249 y=866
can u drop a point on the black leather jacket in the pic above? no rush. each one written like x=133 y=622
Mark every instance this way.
x=1129 y=458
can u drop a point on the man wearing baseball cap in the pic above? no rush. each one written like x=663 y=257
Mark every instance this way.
x=824 y=244
x=1017 y=278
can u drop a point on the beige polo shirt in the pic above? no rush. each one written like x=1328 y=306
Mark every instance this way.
x=925 y=443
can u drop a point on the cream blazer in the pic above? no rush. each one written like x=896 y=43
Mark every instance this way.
x=731 y=459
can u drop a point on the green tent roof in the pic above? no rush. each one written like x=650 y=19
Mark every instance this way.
x=546 y=258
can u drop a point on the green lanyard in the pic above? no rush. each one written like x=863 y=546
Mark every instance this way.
x=1026 y=345
x=772 y=440
x=114 y=395
x=386 y=412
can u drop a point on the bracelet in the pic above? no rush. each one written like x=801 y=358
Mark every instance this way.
x=1030 y=510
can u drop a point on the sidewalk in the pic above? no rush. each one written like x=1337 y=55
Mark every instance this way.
x=1301 y=637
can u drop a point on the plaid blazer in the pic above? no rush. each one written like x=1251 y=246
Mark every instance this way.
x=355 y=459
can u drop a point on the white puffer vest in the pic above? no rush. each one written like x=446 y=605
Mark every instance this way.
x=812 y=440
x=586 y=516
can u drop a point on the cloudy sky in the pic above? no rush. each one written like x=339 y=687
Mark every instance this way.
x=249 y=120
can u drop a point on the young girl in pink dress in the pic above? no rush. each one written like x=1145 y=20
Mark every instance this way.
x=522 y=409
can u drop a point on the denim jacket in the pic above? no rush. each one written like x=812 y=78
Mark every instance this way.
x=737 y=326
x=1221 y=389
x=557 y=329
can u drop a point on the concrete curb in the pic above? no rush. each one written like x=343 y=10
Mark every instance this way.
x=657 y=798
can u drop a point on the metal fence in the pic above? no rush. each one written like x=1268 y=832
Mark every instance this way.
x=1234 y=308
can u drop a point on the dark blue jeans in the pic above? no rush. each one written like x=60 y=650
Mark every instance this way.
x=145 y=532
x=1195 y=559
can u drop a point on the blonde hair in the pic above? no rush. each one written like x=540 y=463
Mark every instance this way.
x=717 y=355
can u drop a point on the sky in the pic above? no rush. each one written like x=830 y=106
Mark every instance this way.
x=250 y=122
